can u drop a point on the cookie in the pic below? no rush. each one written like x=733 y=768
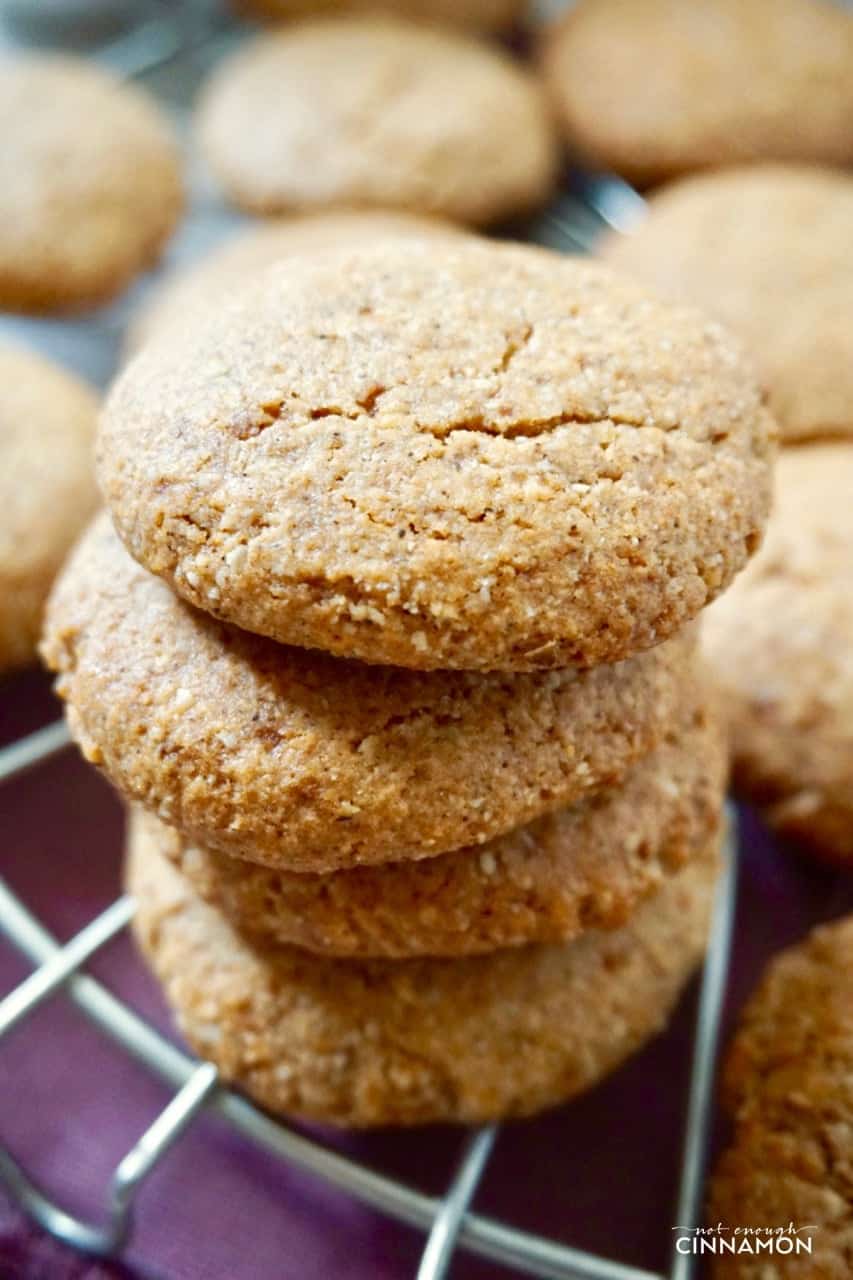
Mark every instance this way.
x=576 y=869
x=210 y=280
x=90 y=183
x=789 y=1086
x=310 y=763
x=656 y=88
x=47 y=488
x=766 y=251
x=378 y=112
x=478 y=15
x=374 y=1042
x=779 y=644
x=442 y=455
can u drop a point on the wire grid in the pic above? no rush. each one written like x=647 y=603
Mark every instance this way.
x=572 y=224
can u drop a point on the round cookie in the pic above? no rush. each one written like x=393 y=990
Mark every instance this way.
x=378 y=112
x=479 y=15
x=442 y=455
x=656 y=88
x=374 y=1042
x=576 y=869
x=310 y=763
x=47 y=488
x=779 y=645
x=788 y=1084
x=766 y=251
x=209 y=281
x=90 y=183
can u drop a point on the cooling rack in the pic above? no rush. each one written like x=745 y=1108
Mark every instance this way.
x=186 y=38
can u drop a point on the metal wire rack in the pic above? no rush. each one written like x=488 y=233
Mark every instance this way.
x=447 y=1221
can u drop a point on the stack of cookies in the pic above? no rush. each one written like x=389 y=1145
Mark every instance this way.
x=388 y=641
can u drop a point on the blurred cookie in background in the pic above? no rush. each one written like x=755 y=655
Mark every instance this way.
x=90 y=183
x=767 y=251
x=47 y=488
x=382 y=113
x=780 y=645
x=260 y=246
x=478 y=15
x=788 y=1084
x=656 y=88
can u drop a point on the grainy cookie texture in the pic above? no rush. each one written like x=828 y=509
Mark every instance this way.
x=479 y=15
x=307 y=762
x=779 y=644
x=766 y=251
x=580 y=868
x=90 y=183
x=377 y=111
x=47 y=488
x=655 y=88
x=789 y=1086
x=411 y=1041
x=206 y=283
x=443 y=456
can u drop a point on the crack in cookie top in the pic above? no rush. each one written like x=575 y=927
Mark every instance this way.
x=472 y=456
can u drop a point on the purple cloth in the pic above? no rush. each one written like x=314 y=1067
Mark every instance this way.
x=599 y=1173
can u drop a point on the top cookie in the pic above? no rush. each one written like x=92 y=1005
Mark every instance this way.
x=789 y=1084
x=767 y=251
x=90 y=183
x=208 y=281
x=479 y=15
x=472 y=456
x=654 y=88
x=377 y=111
x=779 y=643
x=47 y=488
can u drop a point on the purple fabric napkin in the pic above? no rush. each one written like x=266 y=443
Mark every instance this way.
x=599 y=1173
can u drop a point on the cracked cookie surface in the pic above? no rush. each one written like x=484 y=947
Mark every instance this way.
x=443 y=456
x=378 y=112
x=369 y=1042
x=788 y=1083
x=579 y=868
x=779 y=646
x=297 y=760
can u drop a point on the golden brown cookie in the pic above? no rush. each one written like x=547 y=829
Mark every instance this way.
x=90 y=183
x=370 y=1042
x=47 y=488
x=789 y=1087
x=655 y=88
x=766 y=251
x=442 y=455
x=207 y=282
x=378 y=112
x=311 y=763
x=479 y=15
x=780 y=647
x=576 y=869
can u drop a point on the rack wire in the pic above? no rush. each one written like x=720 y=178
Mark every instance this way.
x=448 y=1221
